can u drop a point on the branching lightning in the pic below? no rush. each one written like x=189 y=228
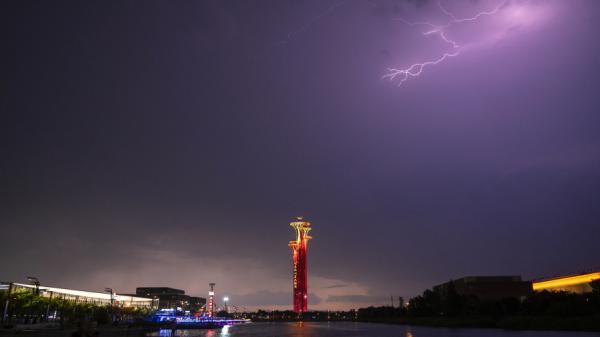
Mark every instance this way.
x=416 y=69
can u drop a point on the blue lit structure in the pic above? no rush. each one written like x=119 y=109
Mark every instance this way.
x=176 y=320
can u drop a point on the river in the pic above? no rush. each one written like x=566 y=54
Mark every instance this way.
x=351 y=329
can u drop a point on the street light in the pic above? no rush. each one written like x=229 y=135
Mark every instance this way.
x=48 y=306
x=6 y=302
x=112 y=298
x=225 y=300
x=155 y=302
x=36 y=282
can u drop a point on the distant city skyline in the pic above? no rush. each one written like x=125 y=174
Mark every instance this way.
x=171 y=143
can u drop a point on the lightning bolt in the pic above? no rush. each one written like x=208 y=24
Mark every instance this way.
x=416 y=69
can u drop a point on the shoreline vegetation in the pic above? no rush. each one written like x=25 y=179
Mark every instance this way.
x=539 y=311
x=550 y=323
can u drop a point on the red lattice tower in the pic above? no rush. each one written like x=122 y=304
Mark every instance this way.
x=300 y=276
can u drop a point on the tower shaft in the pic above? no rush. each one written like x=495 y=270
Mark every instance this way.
x=211 y=300
x=300 y=272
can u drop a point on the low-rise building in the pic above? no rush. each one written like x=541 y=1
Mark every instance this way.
x=82 y=296
x=488 y=287
x=576 y=283
x=171 y=298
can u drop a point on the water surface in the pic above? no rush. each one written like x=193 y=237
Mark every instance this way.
x=352 y=329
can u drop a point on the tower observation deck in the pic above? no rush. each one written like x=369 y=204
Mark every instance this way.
x=300 y=275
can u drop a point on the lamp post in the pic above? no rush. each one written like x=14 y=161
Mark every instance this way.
x=112 y=299
x=225 y=300
x=5 y=313
x=36 y=282
x=48 y=307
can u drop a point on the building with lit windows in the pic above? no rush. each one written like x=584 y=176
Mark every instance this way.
x=82 y=296
x=171 y=298
x=577 y=283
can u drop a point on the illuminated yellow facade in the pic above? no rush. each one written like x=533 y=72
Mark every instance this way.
x=573 y=283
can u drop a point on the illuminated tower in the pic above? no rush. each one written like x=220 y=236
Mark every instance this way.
x=299 y=247
x=211 y=300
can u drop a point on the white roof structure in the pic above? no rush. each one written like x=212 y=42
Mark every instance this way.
x=102 y=298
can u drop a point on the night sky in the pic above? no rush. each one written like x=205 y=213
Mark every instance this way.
x=170 y=143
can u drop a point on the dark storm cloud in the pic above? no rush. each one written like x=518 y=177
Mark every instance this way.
x=352 y=299
x=333 y=286
x=170 y=143
x=266 y=299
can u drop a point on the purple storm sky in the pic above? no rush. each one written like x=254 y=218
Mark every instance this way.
x=170 y=143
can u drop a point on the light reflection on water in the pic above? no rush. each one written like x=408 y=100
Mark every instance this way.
x=352 y=329
x=222 y=332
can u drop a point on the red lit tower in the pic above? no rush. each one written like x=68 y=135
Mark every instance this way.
x=299 y=247
x=211 y=300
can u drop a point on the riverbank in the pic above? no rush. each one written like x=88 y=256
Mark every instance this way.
x=101 y=331
x=584 y=323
